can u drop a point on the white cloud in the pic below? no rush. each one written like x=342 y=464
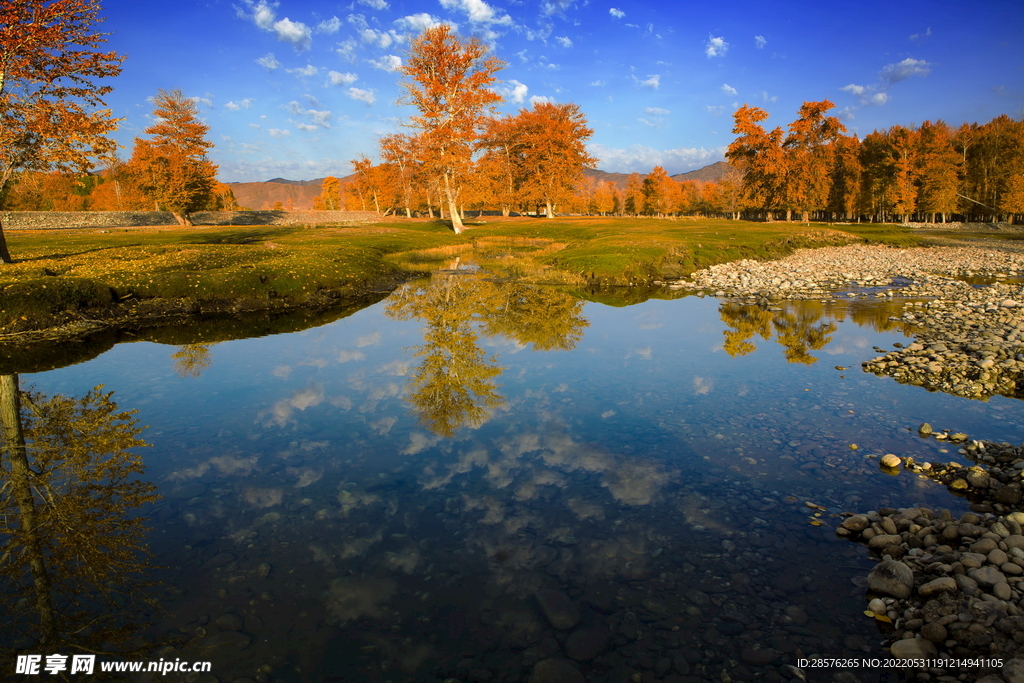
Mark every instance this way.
x=652 y=81
x=347 y=50
x=294 y=32
x=550 y=7
x=542 y=99
x=716 y=47
x=564 y=41
x=728 y=89
x=478 y=11
x=329 y=26
x=656 y=111
x=918 y=37
x=417 y=23
x=760 y=42
x=616 y=13
x=598 y=83
x=305 y=126
x=375 y=4
x=319 y=117
x=514 y=91
x=308 y=70
x=205 y=100
x=357 y=20
x=279 y=133
x=894 y=73
x=641 y=159
x=652 y=124
x=868 y=95
x=387 y=63
x=262 y=14
x=382 y=39
x=232 y=106
x=336 y=78
x=362 y=95
x=768 y=98
x=268 y=61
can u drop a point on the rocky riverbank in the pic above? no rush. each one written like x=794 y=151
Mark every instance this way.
x=818 y=273
x=947 y=588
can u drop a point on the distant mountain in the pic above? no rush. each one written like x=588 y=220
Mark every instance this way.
x=299 y=194
x=293 y=194
x=709 y=174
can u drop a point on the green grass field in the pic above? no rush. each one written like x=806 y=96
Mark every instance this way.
x=61 y=275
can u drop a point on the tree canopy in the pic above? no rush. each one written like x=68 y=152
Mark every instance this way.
x=52 y=112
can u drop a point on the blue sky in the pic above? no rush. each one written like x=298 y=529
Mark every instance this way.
x=297 y=89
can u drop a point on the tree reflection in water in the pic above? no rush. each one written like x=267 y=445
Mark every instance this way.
x=796 y=328
x=191 y=359
x=74 y=561
x=454 y=384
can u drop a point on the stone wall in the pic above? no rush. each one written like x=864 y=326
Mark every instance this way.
x=64 y=220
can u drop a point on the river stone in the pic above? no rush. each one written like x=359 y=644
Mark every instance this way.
x=913 y=648
x=890 y=460
x=987 y=576
x=228 y=622
x=983 y=546
x=925 y=429
x=219 y=560
x=891 y=577
x=997 y=557
x=858 y=523
x=1014 y=541
x=1008 y=495
x=558 y=608
x=1013 y=671
x=191 y=490
x=934 y=631
x=1002 y=591
x=884 y=541
x=967 y=585
x=587 y=643
x=945 y=584
x=556 y=671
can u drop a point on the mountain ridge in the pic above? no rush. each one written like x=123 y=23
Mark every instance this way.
x=298 y=194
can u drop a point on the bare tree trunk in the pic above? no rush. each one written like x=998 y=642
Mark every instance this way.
x=453 y=210
x=183 y=219
x=549 y=212
x=21 y=480
x=5 y=256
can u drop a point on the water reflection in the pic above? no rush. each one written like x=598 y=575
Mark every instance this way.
x=191 y=359
x=801 y=327
x=455 y=383
x=329 y=515
x=74 y=568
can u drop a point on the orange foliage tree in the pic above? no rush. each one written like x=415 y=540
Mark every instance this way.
x=810 y=149
x=52 y=111
x=171 y=168
x=330 y=198
x=759 y=155
x=448 y=82
x=550 y=151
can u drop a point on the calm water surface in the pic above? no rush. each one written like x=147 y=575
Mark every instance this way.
x=382 y=497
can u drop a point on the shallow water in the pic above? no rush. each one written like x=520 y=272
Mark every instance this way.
x=381 y=497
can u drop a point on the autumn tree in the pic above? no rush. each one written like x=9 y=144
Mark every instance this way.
x=758 y=154
x=171 y=168
x=847 y=169
x=330 y=197
x=52 y=112
x=810 y=151
x=74 y=544
x=399 y=151
x=633 y=200
x=938 y=170
x=658 y=193
x=550 y=150
x=448 y=83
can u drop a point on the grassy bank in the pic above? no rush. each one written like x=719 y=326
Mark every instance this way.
x=63 y=277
